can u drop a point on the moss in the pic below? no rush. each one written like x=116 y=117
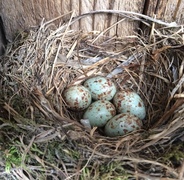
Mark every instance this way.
x=174 y=155
x=13 y=158
x=113 y=170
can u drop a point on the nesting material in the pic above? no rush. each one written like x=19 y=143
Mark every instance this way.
x=41 y=63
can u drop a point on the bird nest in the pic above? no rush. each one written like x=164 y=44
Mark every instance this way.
x=41 y=138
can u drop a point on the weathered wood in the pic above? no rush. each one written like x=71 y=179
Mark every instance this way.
x=87 y=23
x=174 y=11
x=167 y=10
x=129 y=27
x=21 y=14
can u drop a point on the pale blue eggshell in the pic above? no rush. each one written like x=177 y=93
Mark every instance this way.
x=129 y=102
x=99 y=112
x=101 y=88
x=122 y=124
x=77 y=97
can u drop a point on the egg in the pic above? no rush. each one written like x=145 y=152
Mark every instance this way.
x=122 y=124
x=77 y=97
x=99 y=112
x=129 y=102
x=101 y=88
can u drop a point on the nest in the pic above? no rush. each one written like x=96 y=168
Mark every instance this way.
x=41 y=138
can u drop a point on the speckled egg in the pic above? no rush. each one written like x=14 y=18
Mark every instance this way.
x=122 y=124
x=99 y=113
x=129 y=102
x=77 y=97
x=101 y=88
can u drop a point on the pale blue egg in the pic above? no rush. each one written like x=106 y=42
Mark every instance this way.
x=129 y=102
x=122 y=124
x=99 y=112
x=101 y=88
x=77 y=97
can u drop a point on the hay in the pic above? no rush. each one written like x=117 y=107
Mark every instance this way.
x=42 y=139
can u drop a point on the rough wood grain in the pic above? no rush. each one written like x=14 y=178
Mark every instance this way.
x=76 y=6
x=174 y=11
x=21 y=14
x=129 y=27
x=101 y=20
x=113 y=19
x=167 y=10
x=86 y=24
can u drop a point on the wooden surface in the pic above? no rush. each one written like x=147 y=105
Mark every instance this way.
x=167 y=10
x=18 y=15
x=22 y=14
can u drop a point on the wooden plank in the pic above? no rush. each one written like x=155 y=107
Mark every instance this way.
x=156 y=7
x=21 y=14
x=167 y=10
x=101 y=20
x=113 y=19
x=9 y=18
x=174 y=11
x=65 y=9
x=129 y=27
x=75 y=8
x=86 y=23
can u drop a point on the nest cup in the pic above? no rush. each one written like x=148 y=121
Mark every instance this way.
x=40 y=64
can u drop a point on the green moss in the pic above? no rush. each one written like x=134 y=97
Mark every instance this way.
x=13 y=158
x=110 y=171
x=175 y=154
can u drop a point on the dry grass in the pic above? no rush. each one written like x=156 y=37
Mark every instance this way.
x=41 y=139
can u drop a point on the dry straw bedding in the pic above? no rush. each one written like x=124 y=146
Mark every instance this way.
x=41 y=63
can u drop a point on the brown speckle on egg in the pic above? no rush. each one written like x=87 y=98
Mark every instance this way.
x=127 y=101
x=101 y=88
x=99 y=112
x=122 y=124
x=77 y=97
